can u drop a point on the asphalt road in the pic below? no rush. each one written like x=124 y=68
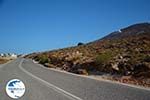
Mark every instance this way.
x=45 y=84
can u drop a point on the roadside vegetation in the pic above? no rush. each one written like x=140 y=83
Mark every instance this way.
x=4 y=60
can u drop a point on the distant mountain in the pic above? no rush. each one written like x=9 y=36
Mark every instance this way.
x=125 y=53
x=130 y=31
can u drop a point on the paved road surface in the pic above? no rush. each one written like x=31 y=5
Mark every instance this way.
x=45 y=84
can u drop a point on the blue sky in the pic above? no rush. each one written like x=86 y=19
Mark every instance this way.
x=37 y=25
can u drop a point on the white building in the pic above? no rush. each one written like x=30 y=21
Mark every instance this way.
x=13 y=55
x=1 y=55
x=10 y=55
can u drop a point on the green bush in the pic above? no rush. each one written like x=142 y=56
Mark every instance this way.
x=147 y=58
x=103 y=58
x=42 y=59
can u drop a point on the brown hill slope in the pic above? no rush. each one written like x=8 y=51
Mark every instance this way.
x=124 y=53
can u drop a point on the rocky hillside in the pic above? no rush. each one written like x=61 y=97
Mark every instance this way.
x=125 y=53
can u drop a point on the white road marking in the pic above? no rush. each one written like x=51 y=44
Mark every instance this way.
x=94 y=78
x=57 y=89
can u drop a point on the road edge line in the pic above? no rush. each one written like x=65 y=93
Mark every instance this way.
x=57 y=89
x=104 y=80
x=93 y=78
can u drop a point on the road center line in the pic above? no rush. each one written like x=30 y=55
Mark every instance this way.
x=57 y=89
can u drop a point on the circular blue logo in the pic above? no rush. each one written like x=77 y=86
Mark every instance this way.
x=15 y=88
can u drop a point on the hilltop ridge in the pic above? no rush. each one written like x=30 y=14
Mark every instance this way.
x=132 y=30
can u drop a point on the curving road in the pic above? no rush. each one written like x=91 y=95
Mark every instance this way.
x=45 y=84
